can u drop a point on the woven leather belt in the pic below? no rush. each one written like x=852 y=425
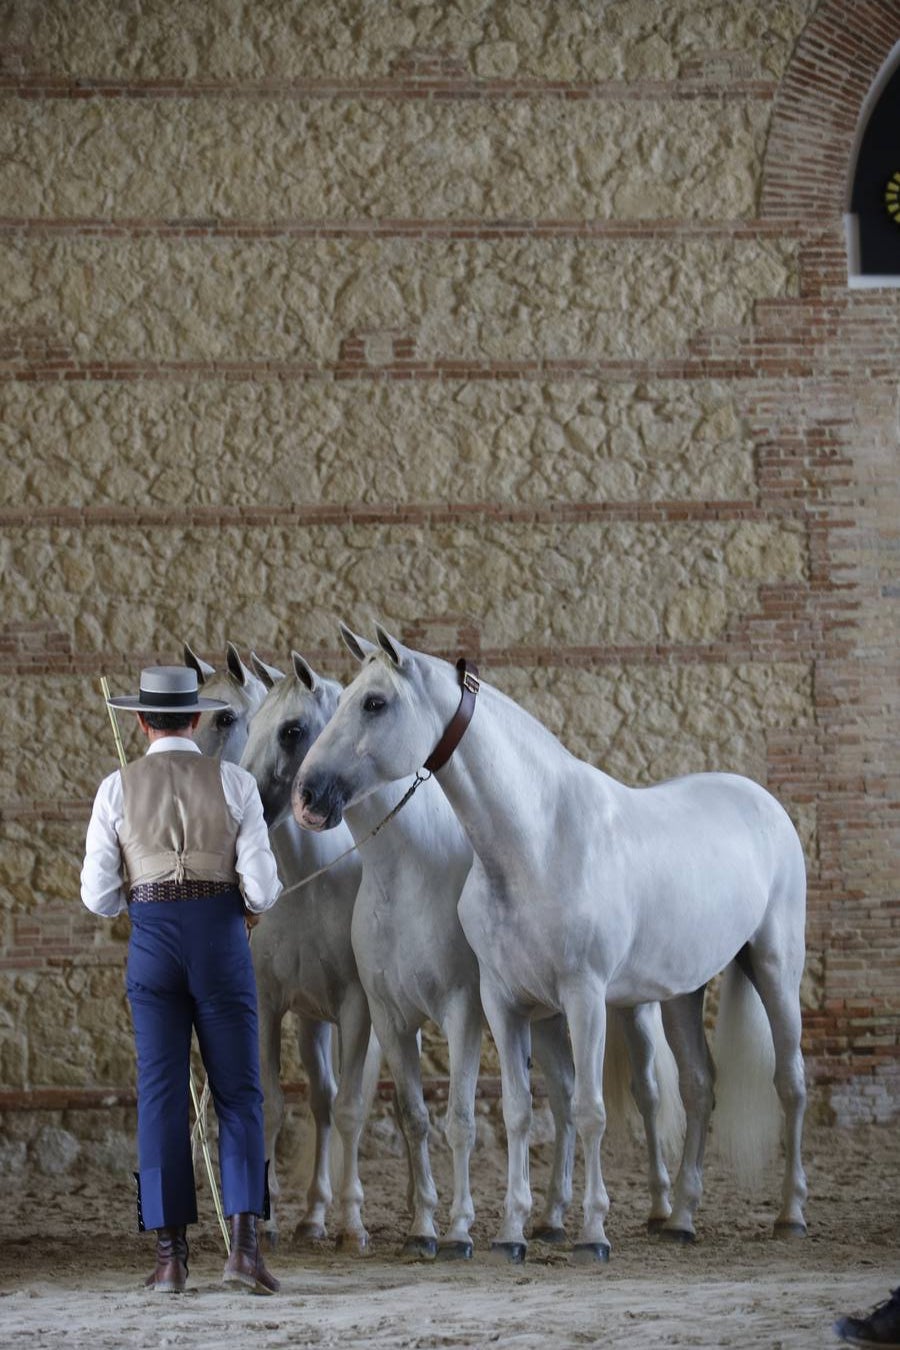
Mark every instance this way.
x=153 y=892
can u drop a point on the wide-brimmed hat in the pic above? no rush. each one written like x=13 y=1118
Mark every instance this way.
x=167 y=689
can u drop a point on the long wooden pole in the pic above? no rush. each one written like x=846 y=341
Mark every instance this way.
x=199 y=1110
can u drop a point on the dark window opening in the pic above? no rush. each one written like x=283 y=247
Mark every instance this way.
x=875 y=199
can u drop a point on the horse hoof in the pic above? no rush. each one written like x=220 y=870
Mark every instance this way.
x=352 y=1244
x=590 y=1253
x=310 y=1234
x=419 y=1249
x=789 y=1230
x=513 y=1252
x=455 y=1250
x=553 y=1237
x=682 y=1237
x=656 y=1225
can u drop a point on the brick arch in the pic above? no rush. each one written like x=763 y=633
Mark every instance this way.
x=815 y=120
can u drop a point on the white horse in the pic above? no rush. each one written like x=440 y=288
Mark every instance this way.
x=415 y=964
x=584 y=891
x=288 y=975
x=304 y=964
x=223 y=734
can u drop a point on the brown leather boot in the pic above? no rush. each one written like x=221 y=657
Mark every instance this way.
x=245 y=1265
x=170 y=1275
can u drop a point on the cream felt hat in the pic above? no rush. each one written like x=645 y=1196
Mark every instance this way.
x=167 y=689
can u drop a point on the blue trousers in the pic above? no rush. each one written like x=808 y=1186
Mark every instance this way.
x=189 y=967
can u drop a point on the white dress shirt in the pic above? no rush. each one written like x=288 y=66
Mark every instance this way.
x=102 y=876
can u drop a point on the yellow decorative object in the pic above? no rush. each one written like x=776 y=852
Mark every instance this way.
x=892 y=197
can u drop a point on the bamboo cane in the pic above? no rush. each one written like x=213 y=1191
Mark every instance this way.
x=199 y=1112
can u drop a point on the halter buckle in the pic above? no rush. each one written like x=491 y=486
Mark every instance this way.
x=471 y=682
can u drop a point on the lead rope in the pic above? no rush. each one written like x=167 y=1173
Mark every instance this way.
x=394 y=811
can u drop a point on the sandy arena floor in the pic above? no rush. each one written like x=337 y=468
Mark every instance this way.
x=71 y=1269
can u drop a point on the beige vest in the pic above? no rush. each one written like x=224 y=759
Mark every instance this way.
x=177 y=825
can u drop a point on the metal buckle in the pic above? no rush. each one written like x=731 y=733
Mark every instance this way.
x=471 y=682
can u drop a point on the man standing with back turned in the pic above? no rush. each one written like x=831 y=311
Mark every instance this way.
x=180 y=840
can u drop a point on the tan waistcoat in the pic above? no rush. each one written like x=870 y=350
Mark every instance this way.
x=177 y=825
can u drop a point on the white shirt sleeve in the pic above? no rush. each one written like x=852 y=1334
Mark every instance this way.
x=102 y=876
x=255 y=861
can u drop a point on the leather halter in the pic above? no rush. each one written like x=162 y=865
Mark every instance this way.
x=470 y=683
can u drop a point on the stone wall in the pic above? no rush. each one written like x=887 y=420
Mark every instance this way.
x=522 y=328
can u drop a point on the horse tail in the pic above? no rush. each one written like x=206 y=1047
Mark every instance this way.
x=618 y=1072
x=670 y=1121
x=746 y=1121
x=620 y=1107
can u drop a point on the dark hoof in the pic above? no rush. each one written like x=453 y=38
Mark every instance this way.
x=419 y=1249
x=458 y=1250
x=682 y=1237
x=590 y=1253
x=789 y=1230
x=353 y=1244
x=655 y=1226
x=513 y=1252
x=554 y=1237
x=310 y=1234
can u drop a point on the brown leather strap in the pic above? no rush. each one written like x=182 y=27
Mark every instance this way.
x=468 y=678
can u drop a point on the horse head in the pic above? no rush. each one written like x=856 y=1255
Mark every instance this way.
x=223 y=734
x=295 y=709
x=388 y=721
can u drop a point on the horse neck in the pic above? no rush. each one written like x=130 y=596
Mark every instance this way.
x=506 y=765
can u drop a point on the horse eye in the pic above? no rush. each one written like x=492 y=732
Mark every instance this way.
x=287 y=735
x=374 y=703
x=226 y=719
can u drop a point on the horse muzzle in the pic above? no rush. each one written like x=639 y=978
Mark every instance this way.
x=318 y=805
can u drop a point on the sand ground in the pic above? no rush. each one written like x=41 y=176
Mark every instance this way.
x=71 y=1266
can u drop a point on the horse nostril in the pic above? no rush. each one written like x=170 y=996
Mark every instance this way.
x=305 y=797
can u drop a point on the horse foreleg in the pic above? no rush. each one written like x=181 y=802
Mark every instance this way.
x=638 y=1026
x=401 y=1051
x=550 y=1038
x=462 y=1026
x=586 y=1012
x=314 y=1039
x=683 y=1022
x=349 y=1116
x=512 y=1036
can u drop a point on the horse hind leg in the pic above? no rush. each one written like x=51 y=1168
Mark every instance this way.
x=349 y=1117
x=550 y=1039
x=778 y=985
x=512 y=1036
x=314 y=1039
x=401 y=1051
x=462 y=1024
x=683 y=1023
x=640 y=1026
x=273 y=1105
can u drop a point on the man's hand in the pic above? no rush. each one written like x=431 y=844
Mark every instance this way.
x=250 y=919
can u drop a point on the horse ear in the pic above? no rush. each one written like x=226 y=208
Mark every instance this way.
x=268 y=674
x=202 y=668
x=390 y=646
x=357 y=646
x=304 y=672
x=235 y=664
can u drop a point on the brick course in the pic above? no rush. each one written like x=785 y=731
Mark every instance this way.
x=810 y=375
